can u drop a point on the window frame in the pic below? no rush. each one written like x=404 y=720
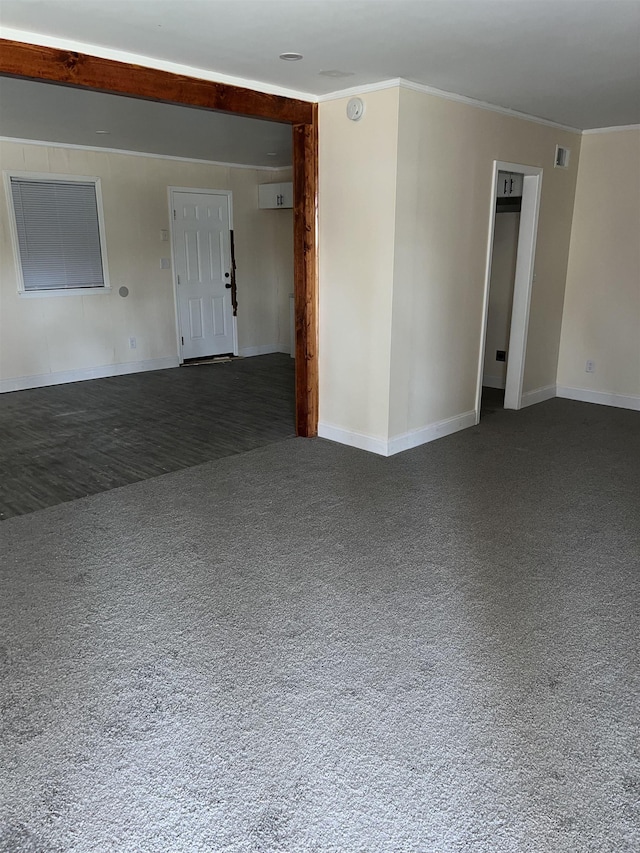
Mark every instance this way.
x=13 y=227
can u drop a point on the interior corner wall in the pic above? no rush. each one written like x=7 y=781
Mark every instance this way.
x=601 y=320
x=356 y=201
x=446 y=151
x=48 y=339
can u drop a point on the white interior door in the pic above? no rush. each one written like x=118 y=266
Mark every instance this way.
x=202 y=258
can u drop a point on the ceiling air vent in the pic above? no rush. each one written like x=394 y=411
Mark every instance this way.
x=562 y=157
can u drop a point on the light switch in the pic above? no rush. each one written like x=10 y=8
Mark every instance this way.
x=164 y=236
x=165 y=263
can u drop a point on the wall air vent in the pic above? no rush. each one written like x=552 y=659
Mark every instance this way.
x=562 y=157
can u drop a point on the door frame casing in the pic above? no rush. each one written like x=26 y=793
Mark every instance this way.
x=523 y=283
x=174 y=272
x=82 y=70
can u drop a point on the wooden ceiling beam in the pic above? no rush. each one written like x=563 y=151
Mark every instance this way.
x=68 y=68
x=65 y=67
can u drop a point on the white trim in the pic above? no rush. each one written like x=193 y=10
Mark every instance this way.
x=13 y=228
x=523 y=285
x=617 y=129
x=527 y=236
x=493 y=381
x=538 y=395
x=149 y=62
x=602 y=398
x=431 y=432
x=67 y=291
x=363 y=89
x=522 y=168
x=21 y=383
x=206 y=191
x=398 y=443
x=174 y=277
x=400 y=82
x=485 y=105
x=353 y=439
x=100 y=150
x=263 y=349
x=487 y=285
x=260 y=86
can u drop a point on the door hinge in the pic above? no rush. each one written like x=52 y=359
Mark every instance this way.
x=178 y=277
x=174 y=214
x=182 y=339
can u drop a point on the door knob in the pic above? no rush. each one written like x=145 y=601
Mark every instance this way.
x=227 y=284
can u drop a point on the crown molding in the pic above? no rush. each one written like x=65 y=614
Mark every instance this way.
x=401 y=83
x=616 y=129
x=260 y=86
x=364 y=89
x=100 y=150
x=485 y=105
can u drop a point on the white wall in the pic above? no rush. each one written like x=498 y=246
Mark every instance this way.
x=281 y=223
x=43 y=339
x=503 y=270
x=601 y=319
x=446 y=154
x=416 y=195
x=356 y=210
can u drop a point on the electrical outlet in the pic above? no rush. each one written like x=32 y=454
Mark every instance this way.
x=132 y=343
x=501 y=355
x=590 y=367
x=165 y=263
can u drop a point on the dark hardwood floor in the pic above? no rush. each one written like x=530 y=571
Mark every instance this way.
x=67 y=441
x=492 y=400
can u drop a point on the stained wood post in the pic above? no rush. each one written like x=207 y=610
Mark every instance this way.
x=305 y=194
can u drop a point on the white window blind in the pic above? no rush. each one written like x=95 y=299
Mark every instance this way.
x=58 y=234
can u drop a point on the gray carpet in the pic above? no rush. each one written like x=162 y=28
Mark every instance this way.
x=308 y=648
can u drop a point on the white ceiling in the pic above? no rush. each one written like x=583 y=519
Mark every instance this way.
x=41 y=111
x=575 y=62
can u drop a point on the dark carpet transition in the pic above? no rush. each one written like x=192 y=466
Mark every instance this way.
x=68 y=441
x=310 y=649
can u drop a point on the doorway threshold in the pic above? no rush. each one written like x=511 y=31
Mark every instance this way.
x=210 y=359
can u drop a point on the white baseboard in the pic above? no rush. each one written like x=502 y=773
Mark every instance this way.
x=21 y=383
x=538 y=395
x=265 y=349
x=431 y=432
x=353 y=439
x=603 y=398
x=493 y=381
x=398 y=443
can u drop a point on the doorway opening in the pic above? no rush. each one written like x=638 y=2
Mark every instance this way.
x=509 y=276
x=86 y=72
